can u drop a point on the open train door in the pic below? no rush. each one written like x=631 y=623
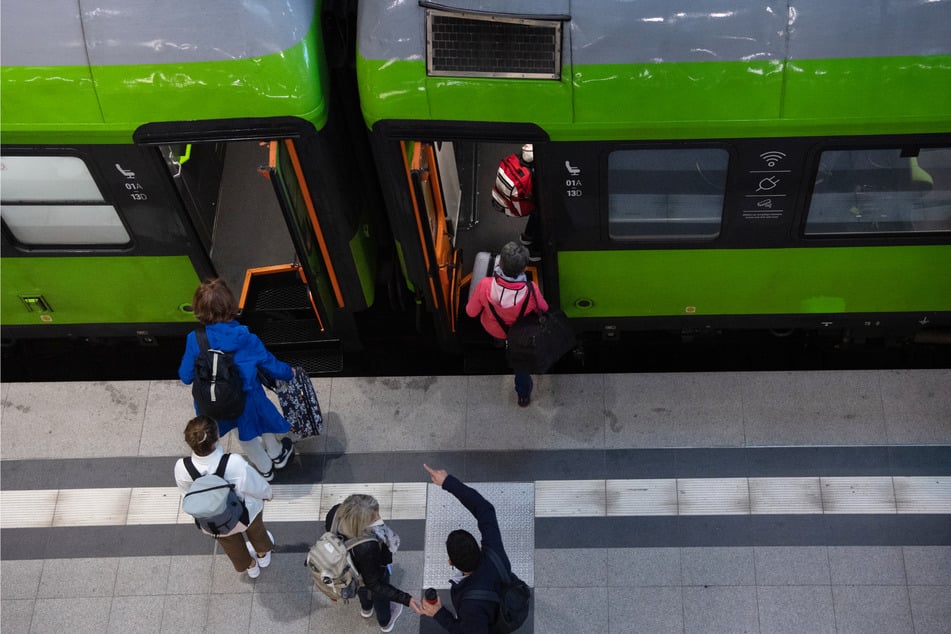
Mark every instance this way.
x=293 y=195
x=434 y=231
x=295 y=306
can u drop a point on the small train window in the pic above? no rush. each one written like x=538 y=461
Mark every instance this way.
x=666 y=193
x=872 y=191
x=54 y=200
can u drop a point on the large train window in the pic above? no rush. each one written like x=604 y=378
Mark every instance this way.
x=54 y=200
x=881 y=191
x=666 y=193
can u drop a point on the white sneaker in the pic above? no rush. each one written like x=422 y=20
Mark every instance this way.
x=395 y=610
x=287 y=450
x=255 y=571
x=366 y=613
x=265 y=561
x=269 y=476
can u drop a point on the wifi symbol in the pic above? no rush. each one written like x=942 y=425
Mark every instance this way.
x=772 y=157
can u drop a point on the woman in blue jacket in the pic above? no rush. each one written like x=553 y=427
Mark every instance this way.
x=260 y=422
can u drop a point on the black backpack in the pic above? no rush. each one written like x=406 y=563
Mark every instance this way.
x=514 y=599
x=217 y=388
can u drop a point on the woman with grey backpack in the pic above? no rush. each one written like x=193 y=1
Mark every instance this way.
x=356 y=517
x=226 y=497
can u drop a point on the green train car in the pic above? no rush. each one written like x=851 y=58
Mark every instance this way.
x=699 y=166
x=146 y=146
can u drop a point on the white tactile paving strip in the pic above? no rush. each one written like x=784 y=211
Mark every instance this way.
x=517 y=502
x=922 y=495
x=27 y=509
x=640 y=497
x=787 y=496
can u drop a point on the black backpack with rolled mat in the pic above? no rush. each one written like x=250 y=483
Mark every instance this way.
x=217 y=387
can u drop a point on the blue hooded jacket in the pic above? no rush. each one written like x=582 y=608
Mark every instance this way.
x=259 y=415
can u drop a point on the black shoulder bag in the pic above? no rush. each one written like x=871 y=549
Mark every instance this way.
x=536 y=340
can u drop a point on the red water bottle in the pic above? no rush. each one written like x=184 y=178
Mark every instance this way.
x=431 y=596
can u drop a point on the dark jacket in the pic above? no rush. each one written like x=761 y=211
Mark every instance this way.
x=259 y=415
x=476 y=616
x=371 y=560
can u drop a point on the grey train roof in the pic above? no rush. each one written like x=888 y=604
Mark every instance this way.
x=644 y=31
x=118 y=32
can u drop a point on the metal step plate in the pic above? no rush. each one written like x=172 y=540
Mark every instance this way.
x=515 y=508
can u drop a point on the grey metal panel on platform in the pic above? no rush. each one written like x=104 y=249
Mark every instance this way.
x=515 y=508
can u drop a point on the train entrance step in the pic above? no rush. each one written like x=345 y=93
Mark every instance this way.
x=324 y=358
x=288 y=331
x=277 y=309
x=300 y=342
x=277 y=292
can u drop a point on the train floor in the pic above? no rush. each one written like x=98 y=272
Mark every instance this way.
x=777 y=501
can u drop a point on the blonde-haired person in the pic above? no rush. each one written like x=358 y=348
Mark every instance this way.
x=359 y=515
x=201 y=434
x=259 y=424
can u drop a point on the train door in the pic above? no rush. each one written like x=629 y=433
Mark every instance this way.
x=435 y=226
x=252 y=212
x=297 y=205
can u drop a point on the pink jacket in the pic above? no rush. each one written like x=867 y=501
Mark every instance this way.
x=507 y=297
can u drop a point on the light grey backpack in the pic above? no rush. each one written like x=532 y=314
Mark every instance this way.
x=331 y=566
x=213 y=503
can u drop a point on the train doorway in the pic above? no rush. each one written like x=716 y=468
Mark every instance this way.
x=435 y=195
x=252 y=212
x=234 y=211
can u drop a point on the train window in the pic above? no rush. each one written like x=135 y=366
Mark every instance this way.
x=666 y=193
x=873 y=191
x=54 y=200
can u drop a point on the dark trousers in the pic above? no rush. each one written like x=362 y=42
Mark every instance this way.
x=380 y=606
x=523 y=383
x=533 y=229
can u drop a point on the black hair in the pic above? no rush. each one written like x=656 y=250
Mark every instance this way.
x=463 y=550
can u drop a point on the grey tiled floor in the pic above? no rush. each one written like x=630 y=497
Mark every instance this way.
x=825 y=587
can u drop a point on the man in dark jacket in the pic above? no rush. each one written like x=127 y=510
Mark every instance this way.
x=473 y=616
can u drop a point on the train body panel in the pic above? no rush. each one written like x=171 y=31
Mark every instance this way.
x=736 y=282
x=117 y=68
x=710 y=165
x=160 y=287
x=216 y=122
x=697 y=165
x=659 y=71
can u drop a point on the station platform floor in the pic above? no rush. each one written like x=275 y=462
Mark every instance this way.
x=730 y=502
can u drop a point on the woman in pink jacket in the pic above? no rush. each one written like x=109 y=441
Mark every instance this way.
x=506 y=291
